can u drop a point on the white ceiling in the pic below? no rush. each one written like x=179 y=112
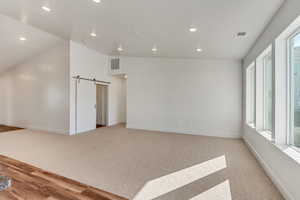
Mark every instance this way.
x=14 y=51
x=140 y=24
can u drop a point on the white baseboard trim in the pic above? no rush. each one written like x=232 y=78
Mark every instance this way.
x=225 y=134
x=272 y=175
x=37 y=128
x=115 y=124
x=59 y=131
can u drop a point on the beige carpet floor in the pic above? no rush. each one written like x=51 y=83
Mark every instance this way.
x=153 y=165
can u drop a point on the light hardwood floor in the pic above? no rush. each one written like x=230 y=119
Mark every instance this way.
x=4 y=128
x=32 y=183
x=128 y=162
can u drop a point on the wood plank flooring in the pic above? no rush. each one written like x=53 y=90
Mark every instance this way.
x=32 y=183
x=4 y=128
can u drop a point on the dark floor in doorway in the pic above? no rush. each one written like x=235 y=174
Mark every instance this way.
x=100 y=126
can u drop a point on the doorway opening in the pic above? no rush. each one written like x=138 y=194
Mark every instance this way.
x=101 y=105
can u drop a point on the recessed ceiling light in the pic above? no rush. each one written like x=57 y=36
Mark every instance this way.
x=45 y=8
x=154 y=49
x=199 y=50
x=22 y=38
x=97 y=1
x=193 y=29
x=93 y=34
x=120 y=48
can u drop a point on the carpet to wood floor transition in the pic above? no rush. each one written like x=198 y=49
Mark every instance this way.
x=132 y=163
x=32 y=183
x=4 y=128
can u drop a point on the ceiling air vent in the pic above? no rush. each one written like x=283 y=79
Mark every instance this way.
x=115 y=64
x=241 y=34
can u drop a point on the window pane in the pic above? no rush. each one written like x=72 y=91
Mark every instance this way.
x=268 y=92
x=251 y=95
x=295 y=64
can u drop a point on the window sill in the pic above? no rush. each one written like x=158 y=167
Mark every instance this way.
x=267 y=135
x=287 y=150
x=251 y=125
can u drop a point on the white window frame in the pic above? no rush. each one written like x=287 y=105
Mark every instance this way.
x=260 y=94
x=250 y=98
x=268 y=53
x=282 y=76
x=290 y=93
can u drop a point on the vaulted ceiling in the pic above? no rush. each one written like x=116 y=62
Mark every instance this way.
x=138 y=25
x=14 y=51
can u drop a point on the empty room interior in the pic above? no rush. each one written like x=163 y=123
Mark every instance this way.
x=149 y=100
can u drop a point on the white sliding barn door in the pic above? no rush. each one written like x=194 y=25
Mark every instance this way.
x=85 y=106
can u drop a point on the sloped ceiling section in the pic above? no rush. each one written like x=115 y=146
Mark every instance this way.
x=138 y=25
x=13 y=50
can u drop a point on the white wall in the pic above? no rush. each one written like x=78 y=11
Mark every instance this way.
x=284 y=171
x=34 y=94
x=201 y=97
x=91 y=64
x=117 y=100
